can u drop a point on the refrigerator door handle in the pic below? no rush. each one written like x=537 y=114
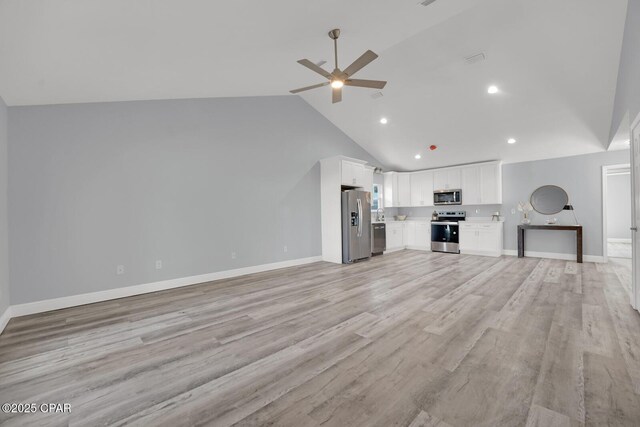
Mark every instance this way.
x=359 y=218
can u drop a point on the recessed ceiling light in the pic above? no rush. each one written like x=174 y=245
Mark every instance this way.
x=418 y=156
x=492 y=90
x=337 y=84
x=384 y=120
x=511 y=141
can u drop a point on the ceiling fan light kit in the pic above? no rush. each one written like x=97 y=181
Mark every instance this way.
x=340 y=78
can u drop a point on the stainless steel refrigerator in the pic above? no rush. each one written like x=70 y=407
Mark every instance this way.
x=356 y=225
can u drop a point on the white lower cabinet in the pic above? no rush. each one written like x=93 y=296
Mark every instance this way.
x=395 y=236
x=408 y=234
x=419 y=235
x=481 y=238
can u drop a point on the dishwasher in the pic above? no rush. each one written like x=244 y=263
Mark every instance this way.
x=378 y=238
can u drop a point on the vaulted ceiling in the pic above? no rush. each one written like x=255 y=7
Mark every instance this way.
x=554 y=61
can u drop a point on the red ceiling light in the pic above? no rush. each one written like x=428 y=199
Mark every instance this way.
x=433 y=147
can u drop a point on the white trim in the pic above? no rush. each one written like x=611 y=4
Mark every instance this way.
x=388 y=251
x=554 y=255
x=480 y=253
x=635 y=292
x=4 y=319
x=618 y=240
x=75 y=300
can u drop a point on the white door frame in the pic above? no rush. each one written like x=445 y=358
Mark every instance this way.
x=635 y=289
x=605 y=173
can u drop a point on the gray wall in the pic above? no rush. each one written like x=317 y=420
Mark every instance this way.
x=4 y=228
x=186 y=182
x=619 y=206
x=628 y=90
x=581 y=177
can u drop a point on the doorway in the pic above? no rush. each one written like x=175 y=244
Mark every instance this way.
x=617 y=234
x=617 y=204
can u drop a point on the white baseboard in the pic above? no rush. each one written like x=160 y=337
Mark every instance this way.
x=89 y=298
x=388 y=251
x=4 y=319
x=554 y=255
x=616 y=240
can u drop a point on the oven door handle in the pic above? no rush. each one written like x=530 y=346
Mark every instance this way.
x=444 y=223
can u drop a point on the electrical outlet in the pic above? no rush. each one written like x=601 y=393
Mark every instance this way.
x=159 y=264
x=513 y=211
x=477 y=211
x=233 y=255
x=286 y=249
x=120 y=270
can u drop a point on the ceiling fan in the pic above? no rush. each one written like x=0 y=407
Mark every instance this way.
x=339 y=78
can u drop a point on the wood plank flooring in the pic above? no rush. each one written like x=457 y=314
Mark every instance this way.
x=405 y=339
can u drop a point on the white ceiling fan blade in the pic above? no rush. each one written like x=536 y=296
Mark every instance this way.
x=302 y=89
x=373 y=84
x=310 y=65
x=360 y=63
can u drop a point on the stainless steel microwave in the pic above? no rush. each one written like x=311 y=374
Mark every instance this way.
x=447 y=197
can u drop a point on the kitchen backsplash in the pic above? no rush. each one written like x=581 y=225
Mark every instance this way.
x=479 y=210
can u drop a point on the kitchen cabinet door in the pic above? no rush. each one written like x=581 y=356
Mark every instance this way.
x=348 y=173
x=410 y=228
x=454 y=178
x=390 y=189
x=422 y=189
x=447 y=179
x=358 y=175
x=404 y=189
x=470 y=187
x=394 y=234
x=468 y=238
x=352 y=174
x=491 y=184
x=422 y=235
x=489 y=239
x=440 y=180
x=367 y=179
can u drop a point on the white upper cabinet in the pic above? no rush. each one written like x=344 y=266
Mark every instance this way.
x=481 y=184
x=367 y=179
x=491 y=184
x=353 y=174
x=397 y=189
x=446 y=179
x=404 y=189
x=390 y=192
x=471 y=194
x=422 y=188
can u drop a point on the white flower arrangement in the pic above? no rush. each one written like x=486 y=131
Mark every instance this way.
x=525 y=208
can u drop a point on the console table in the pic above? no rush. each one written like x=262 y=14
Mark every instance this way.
x=576 y=228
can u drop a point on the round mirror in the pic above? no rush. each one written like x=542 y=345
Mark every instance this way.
x=549 y=199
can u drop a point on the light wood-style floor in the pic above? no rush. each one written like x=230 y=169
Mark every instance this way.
x=619 y=250
x=410 y=338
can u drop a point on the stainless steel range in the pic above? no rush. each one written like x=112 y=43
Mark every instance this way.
x=445 y=231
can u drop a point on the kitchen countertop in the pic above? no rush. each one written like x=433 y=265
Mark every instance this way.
x=473 y=219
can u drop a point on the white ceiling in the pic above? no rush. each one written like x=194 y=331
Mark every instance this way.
x=555 y=62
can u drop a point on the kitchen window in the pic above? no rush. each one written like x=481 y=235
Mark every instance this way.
x=376 y=197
